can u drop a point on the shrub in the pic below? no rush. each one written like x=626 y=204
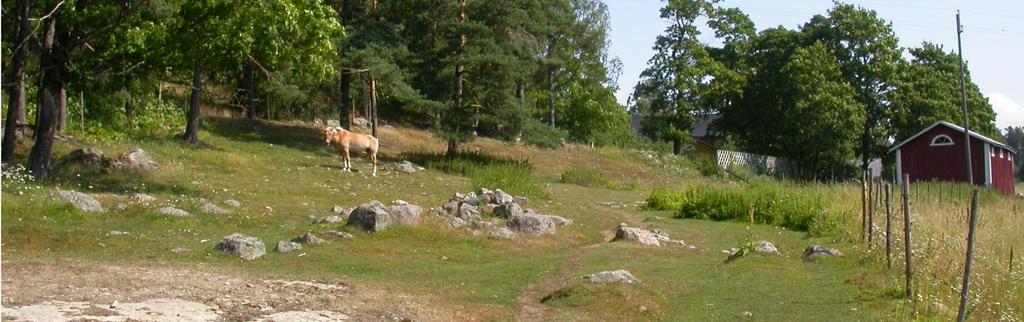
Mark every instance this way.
x=537 y=134
x=463 y=162
x=708 y=166
x=664 y=199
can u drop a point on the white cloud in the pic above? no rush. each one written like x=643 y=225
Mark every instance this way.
x=1008 y=112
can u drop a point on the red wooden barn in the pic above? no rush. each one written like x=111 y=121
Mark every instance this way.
x=937 y=153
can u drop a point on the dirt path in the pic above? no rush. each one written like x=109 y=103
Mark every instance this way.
x=48 y=291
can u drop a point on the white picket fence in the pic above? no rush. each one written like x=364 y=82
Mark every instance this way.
x=754 y=162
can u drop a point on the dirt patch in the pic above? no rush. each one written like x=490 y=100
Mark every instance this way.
x=69 y=290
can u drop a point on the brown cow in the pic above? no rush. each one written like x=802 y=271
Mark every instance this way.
x=350 y=141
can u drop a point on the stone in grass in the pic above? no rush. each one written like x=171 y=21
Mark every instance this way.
x=242 y=246
x=287 y=246
x=334 y=234
x=814 y=252
x=531 y=224
x=469 y=212
x=501 y=198
x=559 y=221
x=407 y=167
x=339 y=210
x=80 y=200
x=329 y=220
x=617 y=276
x=141 y=198
x=508 y=210
x=171 y=211
x=212 y=209
x=309 y=238
x=233 y=203
x=766 y=247
x=502 y=233
x=134 y=159
x=371 y=216
x=642 y=236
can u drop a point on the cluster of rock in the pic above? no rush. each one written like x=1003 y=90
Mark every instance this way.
x=408 y=167
x=296 y=243
x=655 y=237
x=92 y=158
x=87 y=203
x=498 y=212
x=765 y=247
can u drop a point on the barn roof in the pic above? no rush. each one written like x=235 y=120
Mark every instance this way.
x=958 y=129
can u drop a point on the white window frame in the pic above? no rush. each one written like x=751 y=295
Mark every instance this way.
x=1000 y=153
x=937 y=137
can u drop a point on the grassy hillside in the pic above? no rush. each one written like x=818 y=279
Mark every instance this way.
x=284 y=176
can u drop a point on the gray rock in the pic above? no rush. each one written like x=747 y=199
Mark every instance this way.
x=212 y=209
x=339 y=210
x=287 y=246
x=171 y=211
x=400 y=202
x=333 y=123
x=475 y=200
x=521 y=200
x=501 y=198
x=88 y=158
x=489 y=208
x=814 y=252
x=233 y=203
x=502 y=233
x=360 y=122
x=559 y=221
x=437 y=211
x=80 y=200
x=329 y=220
x=334 y=234
x=120 y=206
x=617 y=276
x=308 y=238
x=407 y=167
x=457 y=222
x=406 y=214
x=117 y=233
x=642 y=236
x=142 y=198
x=508 y=210
x=134 y=159
x=373 y=216
x=531 y=224
x=452 y=206
x=765 y=247
x=242 y=246
x=469 y=212
x=661 y=235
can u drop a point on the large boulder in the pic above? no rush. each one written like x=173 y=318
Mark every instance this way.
x=171 y=211
x=641 y=236
x=407 y=167
x=88 y=158
x=814 y=252
x=80 y=200
x=531 y=224
x=405 y=213
x=134 y=159
x=373 y=216
x=242 y=246
x=617 y=276
x=360 y=122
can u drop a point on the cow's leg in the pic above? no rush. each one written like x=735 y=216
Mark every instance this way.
x=347 y=159
x=373 y=158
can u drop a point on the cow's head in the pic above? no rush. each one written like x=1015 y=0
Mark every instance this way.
x=329 y=135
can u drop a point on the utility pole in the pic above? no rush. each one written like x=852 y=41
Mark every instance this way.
x=963 y=101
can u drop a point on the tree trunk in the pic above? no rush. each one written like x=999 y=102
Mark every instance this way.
x=192 y=127
x=16 y=105
x=62 y=109
x=373 y=106
x=250 y=89
x=346 y=111
x=551 y=81
x=521 y=94
x=52 y=62
x=129 y=106
x=460 y=70
x=677 y=146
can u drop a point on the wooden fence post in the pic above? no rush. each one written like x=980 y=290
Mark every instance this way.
x=970 y=256
x=888 y=226
x=906 y=237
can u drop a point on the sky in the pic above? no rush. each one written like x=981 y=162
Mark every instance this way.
x=993 y=38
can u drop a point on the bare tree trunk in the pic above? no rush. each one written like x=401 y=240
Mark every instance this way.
x=53 y=62
x=250 y=89
x=373 y=106
x=129 y=106
x=16 y=105
x=551 y=81
x=346 y=112
x=192 y=127
x=677 y=146
x=62 y=109
x=460 y=70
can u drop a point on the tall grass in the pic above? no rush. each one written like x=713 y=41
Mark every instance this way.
x=515 y=176
x=593 y=179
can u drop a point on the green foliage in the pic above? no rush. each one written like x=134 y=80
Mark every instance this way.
x=540 y=135
x=708 y=166
x=791 y=207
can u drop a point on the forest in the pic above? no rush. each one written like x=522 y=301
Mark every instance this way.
x=836 y=89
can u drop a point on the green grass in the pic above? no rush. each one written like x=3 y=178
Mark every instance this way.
x=283 y=175
x=593 y=179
